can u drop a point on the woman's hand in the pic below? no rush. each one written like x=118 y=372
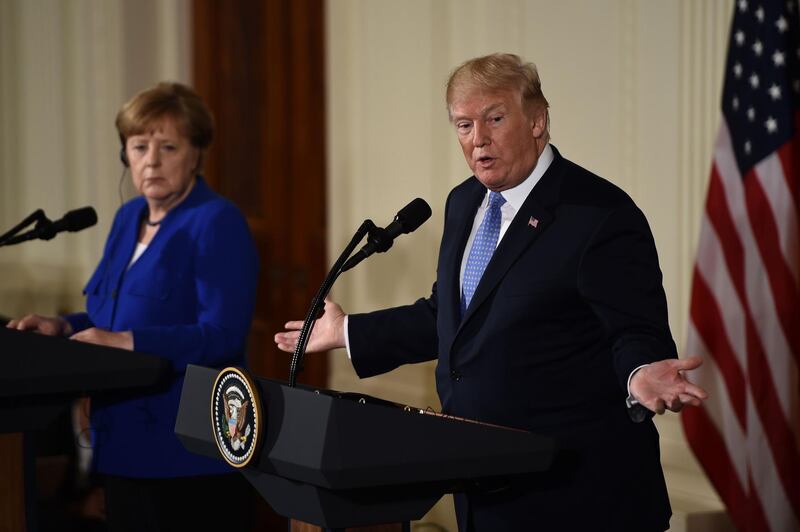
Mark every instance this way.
x=93 y=335
x=328 y=331
x=50 y=326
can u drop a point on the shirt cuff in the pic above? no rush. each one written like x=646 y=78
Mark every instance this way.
x=347 y=338
x=631 y=399
x=636 y=411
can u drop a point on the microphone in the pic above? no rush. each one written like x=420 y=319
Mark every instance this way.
x=408 y=219
x=75 y=220
x=37 y=216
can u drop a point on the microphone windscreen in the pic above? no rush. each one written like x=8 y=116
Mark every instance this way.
x=414 y=214
x=79 y=219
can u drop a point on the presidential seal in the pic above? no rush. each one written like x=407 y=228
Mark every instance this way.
x=236 y=416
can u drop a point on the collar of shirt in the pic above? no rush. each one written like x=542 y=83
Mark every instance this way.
x=515 y=197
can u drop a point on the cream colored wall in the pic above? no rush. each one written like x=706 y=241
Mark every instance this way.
x=66 y=66
x=634 y=90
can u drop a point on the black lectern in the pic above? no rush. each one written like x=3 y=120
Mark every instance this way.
x=342 y=460
x=39 y=375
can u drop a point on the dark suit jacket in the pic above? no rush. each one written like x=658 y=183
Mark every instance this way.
x=569 y=305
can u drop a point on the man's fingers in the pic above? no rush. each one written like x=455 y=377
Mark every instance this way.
x=289 y=348
x=689 y=399
x=676 y=407
x=326 y=334
x=686 y=364
x=676 y=403
x=695 y=390
x=668 y=388
x=287 y=337
x=683 y=400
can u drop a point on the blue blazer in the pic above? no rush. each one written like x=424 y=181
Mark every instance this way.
x=189 y=298
x=570 y=303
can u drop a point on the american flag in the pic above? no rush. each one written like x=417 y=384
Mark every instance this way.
x=745 y=306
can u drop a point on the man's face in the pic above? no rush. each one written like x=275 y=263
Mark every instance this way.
x=500 y=141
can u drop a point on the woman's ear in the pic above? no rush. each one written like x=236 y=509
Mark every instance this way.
x=199 y=164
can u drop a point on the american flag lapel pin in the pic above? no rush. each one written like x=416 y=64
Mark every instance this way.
x=533 y=222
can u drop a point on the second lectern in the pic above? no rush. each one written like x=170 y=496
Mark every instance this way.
x=341 y=460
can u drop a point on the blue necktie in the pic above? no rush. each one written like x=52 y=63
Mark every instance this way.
x=482 y=248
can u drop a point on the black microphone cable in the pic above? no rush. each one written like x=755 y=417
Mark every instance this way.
x=119 y=188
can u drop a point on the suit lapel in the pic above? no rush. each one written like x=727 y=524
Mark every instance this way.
x=463 y=219
x=533 y=219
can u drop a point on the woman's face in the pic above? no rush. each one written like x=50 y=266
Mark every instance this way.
x=163 y=164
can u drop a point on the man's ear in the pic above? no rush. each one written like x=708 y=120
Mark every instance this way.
x=539 y=123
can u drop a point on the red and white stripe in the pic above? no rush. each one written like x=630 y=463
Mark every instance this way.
x=745 y=323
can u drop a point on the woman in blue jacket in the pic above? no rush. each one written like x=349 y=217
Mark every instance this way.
x=178 y=280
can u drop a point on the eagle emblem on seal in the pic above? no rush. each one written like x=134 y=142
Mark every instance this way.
x=236 y=417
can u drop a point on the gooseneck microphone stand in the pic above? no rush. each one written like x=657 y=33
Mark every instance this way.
x=367 y=227
x=36 y=216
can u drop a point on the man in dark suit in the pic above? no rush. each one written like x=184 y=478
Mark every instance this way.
x=547 y=314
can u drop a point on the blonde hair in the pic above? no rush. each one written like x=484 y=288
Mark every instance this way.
x=167 y=100
x=498 y=72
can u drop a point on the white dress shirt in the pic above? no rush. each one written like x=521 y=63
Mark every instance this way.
x=514 y=197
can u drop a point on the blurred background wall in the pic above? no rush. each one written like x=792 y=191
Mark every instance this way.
x=65 y=69
x=634 y=90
